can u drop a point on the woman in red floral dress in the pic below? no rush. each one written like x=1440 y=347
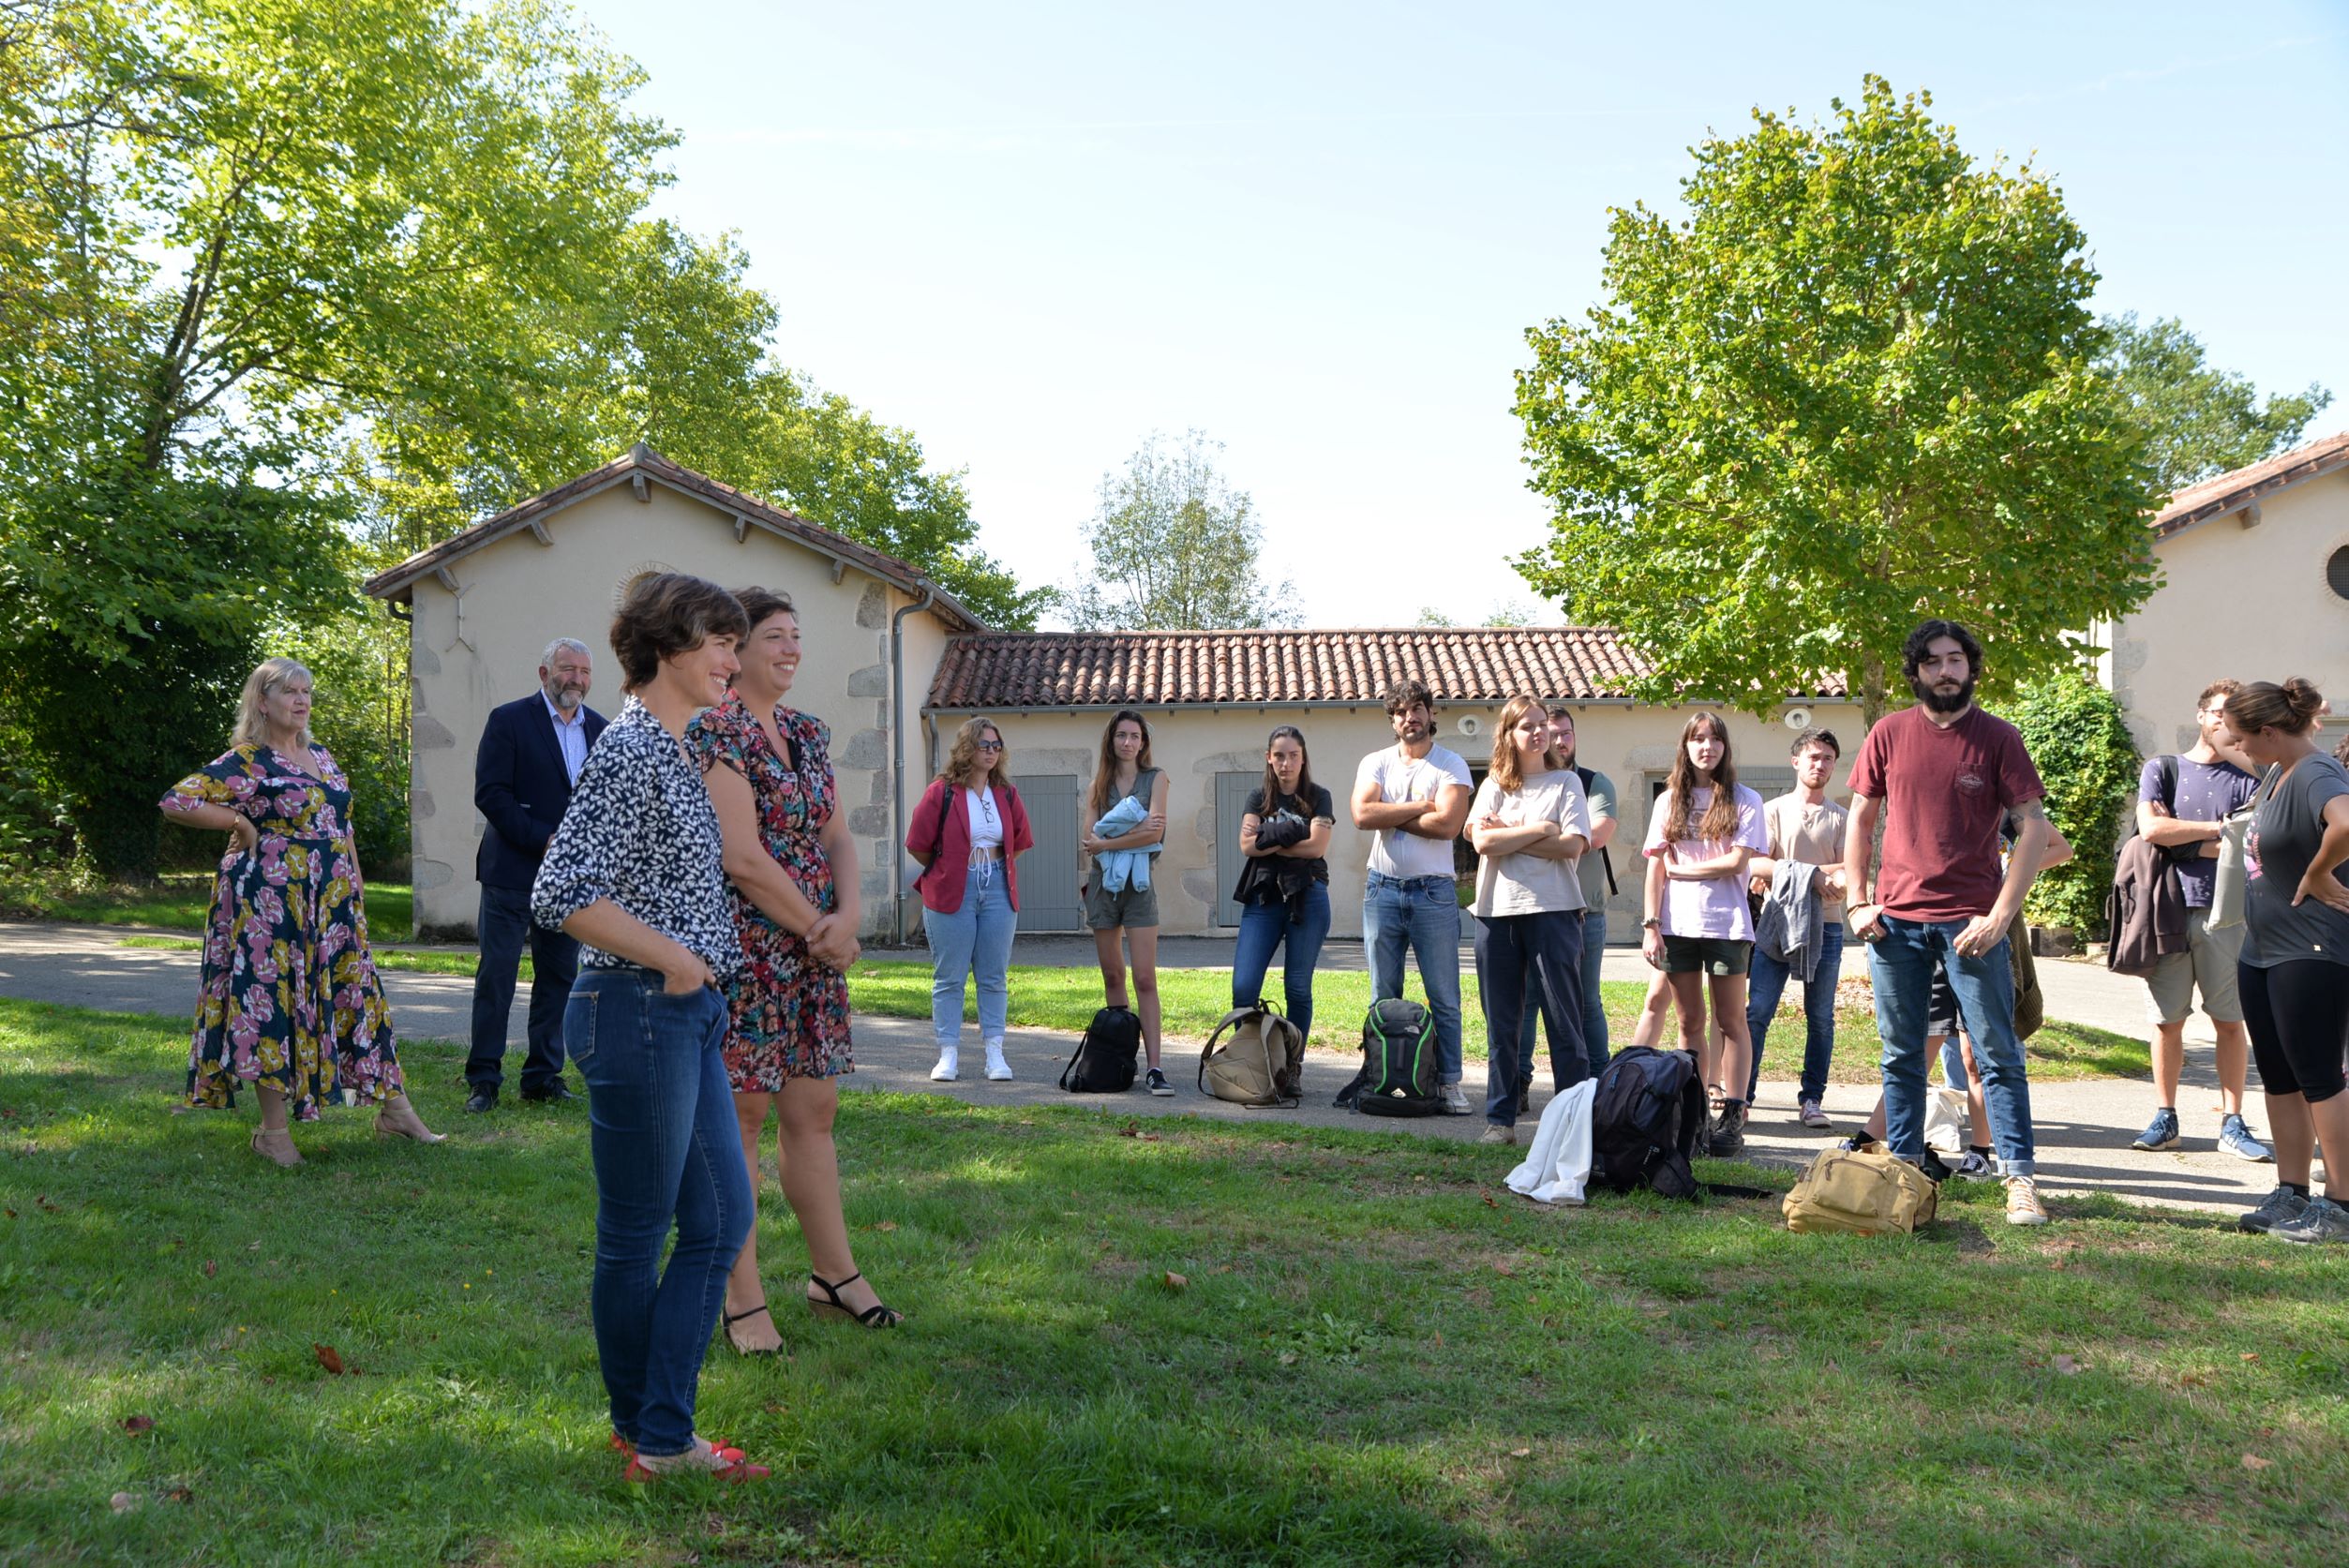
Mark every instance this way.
x=792 y=867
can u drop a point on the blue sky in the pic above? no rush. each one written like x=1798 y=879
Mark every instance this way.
x=1035 y=234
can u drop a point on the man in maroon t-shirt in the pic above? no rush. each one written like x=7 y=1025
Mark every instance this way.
x=1942 y=776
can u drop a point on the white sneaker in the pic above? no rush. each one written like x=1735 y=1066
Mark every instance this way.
x=945 y=1072
x=1454 y=1101
x=998 y=1071
x=2023 y=1205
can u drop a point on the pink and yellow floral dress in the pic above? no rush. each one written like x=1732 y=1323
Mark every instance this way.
x=289 y=995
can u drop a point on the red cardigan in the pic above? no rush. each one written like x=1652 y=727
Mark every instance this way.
x=941 y=885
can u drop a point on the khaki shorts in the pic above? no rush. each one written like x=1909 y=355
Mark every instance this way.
x=1106 y=911
x=2207 y=964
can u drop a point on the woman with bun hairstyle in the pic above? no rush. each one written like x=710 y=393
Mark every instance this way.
x=2293 y=970
x=968 y=830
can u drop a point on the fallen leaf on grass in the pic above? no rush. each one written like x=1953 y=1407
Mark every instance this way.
x=179 y=1494
x=327 y=1358
x=885 y=1225
x=43 y=1202
x=1288 y=1358
x=2250 y=1355
x=11 y=1214
x=139 y=1424
x=210 y=1268
x=124 y=1503
x=2252 y=1461
x=2068 y=1366
x=1488 y=1202
x=1176 y=1282
x=1521 y=1453
x=1131 y=1129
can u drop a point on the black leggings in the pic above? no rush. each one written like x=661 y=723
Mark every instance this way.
x=2299 y=1018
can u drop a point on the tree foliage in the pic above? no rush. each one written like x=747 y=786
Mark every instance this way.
x=1853 y=387
x=2079 y=741
x=280 y=279
x=1174 y=548
x=2199 y=421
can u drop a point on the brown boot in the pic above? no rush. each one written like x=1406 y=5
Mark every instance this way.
x=398 y=1119
x=276 y=1145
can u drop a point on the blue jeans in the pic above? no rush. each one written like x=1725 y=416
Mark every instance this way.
x=1263 y=928
x=1421 y=913
x=1767 y=981
x=976 y=937
x=1593 y=1008
x=1538 y=956
x=667 y=1149
x=1902 y=965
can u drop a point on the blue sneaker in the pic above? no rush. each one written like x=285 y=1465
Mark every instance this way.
x=2321 y=1222
x=2161 y=1134
x=2237 y=1140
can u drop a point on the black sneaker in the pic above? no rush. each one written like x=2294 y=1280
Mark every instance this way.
x=1726 y=1139
x=2282 y=1206
x=1931 y=1164
x=1856 y=1143
x=1157 y=1084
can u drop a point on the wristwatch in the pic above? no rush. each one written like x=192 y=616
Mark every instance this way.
x=1651 y=923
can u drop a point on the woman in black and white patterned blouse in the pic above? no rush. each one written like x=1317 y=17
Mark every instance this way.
x=634 y=873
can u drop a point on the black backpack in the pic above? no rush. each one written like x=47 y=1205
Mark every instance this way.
x=1399 y=1068
x=1104 y=1061
x=1644 y=1121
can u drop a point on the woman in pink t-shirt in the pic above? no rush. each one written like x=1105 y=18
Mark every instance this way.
x=1699 y=930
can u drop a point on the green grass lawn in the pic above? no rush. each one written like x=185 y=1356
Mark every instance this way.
x=1051 y=997
x=178 y=900
x=1179 y=1342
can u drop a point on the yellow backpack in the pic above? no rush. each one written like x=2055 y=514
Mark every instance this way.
x=1861 y=1191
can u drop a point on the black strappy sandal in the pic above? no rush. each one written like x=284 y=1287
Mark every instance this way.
x=875 y=1316
x=736 y=1345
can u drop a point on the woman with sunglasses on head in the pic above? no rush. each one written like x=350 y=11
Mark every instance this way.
x=968 y=830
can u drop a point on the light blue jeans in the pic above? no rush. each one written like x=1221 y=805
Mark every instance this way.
x=1423 y=913
x=976 y=938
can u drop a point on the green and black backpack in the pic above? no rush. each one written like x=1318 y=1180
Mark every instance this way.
x=1398 y=1067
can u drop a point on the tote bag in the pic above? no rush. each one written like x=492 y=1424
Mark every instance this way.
x=2230 y=881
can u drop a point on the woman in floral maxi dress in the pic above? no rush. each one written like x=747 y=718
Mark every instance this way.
x=290 y=1001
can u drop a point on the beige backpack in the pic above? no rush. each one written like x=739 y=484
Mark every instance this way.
x=1861 y=1191
x=1260 y=1065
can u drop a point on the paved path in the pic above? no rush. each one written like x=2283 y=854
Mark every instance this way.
x=2084 y=1128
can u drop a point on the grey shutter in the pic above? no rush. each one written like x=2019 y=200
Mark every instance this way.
x=1048 y=871
x=1232 y=792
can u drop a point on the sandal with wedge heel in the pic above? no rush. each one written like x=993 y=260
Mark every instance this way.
x=875 y=1316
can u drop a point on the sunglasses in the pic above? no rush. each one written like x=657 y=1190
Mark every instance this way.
x=988 y=746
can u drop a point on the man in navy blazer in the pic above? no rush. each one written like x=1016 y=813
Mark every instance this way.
x=532 y=751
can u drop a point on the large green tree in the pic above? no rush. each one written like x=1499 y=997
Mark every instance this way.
x=2199 y=421
x=1853 y=386
x=1174 y=547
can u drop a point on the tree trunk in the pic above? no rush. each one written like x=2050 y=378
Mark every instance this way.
x=1871 y=692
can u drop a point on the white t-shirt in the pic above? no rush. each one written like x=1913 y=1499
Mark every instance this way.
x=1400 y=778
x=986 y=819
x=1523 y=884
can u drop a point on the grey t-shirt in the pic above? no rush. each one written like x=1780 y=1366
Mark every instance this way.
x=1592 y=868
x=2286 y=832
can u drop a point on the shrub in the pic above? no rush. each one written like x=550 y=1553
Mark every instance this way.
x=2081 y=746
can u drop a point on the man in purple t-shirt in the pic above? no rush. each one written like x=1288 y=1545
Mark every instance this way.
x=1943 y=776
x=2181 y=801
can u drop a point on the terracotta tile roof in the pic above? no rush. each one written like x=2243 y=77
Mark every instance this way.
x=2231 y=492
x=640 y=464
x=1158 y=669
